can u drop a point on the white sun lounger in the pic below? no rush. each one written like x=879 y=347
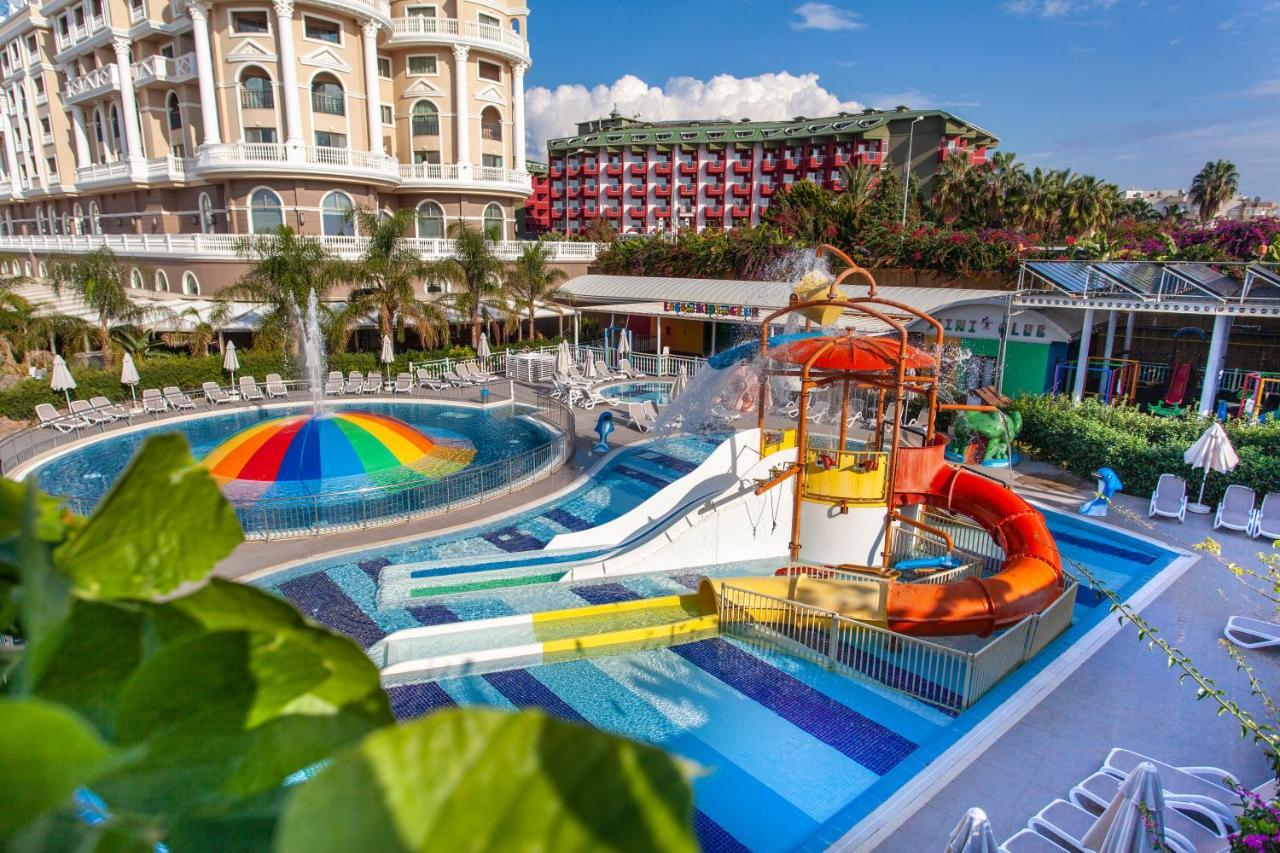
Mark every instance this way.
x=51 y=417
x=625 y=368
x=1235 y=510
x=214 y=395
x=275 y=386
x=453 y=378
x=404 y=383
x=603 y=373
x=106 y=407
x=249 y=389
x=372 y=383
x=650 y=410
x=1204 y=786
x=1170 y=498
x=589 y=398
x=425 y=380
x=1249 y=633
x=333 y=383
x=1266 y=520
x=639 y=417
x=1066 y=825
x=153 y=401
x=1095 y=793
x=176 y=399
x=355 y=382
x=84 y=409
x=1030 y=841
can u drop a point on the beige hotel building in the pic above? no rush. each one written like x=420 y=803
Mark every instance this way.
x=168 y=129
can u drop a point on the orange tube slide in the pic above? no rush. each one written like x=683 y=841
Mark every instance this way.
x=1029 y=581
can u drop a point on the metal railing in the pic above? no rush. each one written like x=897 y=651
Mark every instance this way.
x=257 y=99
x=971 y=541
x=334 y=105
x=949 y=677
x=426 y=125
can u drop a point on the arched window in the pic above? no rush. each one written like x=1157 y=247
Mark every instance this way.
x=100 y=137
x=335 y=216
x=39 y=220
x=494 y=221
x=426 y=119
x=266 y=213
x=491 y=124
x=42 y=268
x=430 y=220
x=206 y=214
x=190 y=284
x=256 y=92
x=115 y=130
x=53 y=220
x=175 y=111
x=77 y=214
x=135 y=279
x=26 y=268
x=162 y=281
x=95 y=218
x=326 y=95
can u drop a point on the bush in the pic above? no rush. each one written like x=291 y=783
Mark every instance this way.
x=1139 y=447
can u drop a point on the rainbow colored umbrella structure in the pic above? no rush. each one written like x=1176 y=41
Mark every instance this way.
x=342 y=444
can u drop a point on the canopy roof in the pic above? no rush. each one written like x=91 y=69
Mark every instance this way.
x=1176 y=287
x=852 y=353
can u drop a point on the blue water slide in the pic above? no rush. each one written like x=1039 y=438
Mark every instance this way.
x=750 y=349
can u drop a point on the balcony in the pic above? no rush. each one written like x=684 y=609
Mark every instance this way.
x=689 y=167
x=82 y=33
x=662 y=213
x=871 y=158
x=613 y=170
x=688 y=190
x=740 y=190
x=590 y=212
x=767 y=190
x=425 y=126
x=333 y=105
x=715 y=191
x=740 y=211
x=713 y=212
x=978 y=158
x=715 y=167
x=636 y=211
x=637 y=190
x=449 y=176
x=613 y=191
x=556 y=170
x=839 y=159
x=163 y=70
x=835 y=185
x=663 y=169
x=590 y=169
x=572 y=192
x=742 y=167
x=768 y=166
x=491 y=130
x=590 y=190
x=257 y=99
x=613 y=212
x=638 y=169
x=789 y=164
x=272 y=158
x=815 y=161
x=574 y=211
x=662 y=190
x=557 y=192
x=419 y=29
x=572 y=170
x=159 y=169
x=92 y=84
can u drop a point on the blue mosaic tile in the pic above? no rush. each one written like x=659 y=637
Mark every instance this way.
x=903 y=679
x=1088 y=596
x=689 y=579
x=641 y=476
x=324 y=601
x=713 y=838
x=566 y=519
x=605 y=593
x=682 y=465
x=414 y=700
x=373 y=566
x=433 y=614
x=524 y=691
x=512 y=539
x=875 y=747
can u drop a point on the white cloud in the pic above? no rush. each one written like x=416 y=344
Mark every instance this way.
x=764 y=97
x=824 y=16
x=1056 y=8
x=1264 y=88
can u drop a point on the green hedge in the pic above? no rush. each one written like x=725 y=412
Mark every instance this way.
x=19 y=401
x=1139 y=447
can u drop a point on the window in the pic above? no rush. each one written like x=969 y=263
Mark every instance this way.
x=95 y=218
x=32 y=48
x=135 y=279
x=493 y=221
x=256 y=92
x=320 y=29
x=162 y=281
x=45 y=127
x=115 y=129
x=175 y=112
x=335 y=216
x=326 y=139
x=419 y=65
x=326 y=95
x=260 y=134
x=39 y=220
x=422 y=11
x=426 y=119
x=190 y=284
x=206 y=214
x=488 y=20
x=52 y=165
x=43 y=269
x=430 y=220
x=168 y=51
x=384 y=67
x=490 y=71
x=78 y=226
x=387 y=116
x=266 y=214
x=249 y=23
x=491 y=124
x=491 y=161
x=428 y=157
x=38 y=82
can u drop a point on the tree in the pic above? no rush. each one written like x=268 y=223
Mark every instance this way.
x=102 y=284
x=953 y=189
x=385 y=281
x=859 y=189
x=998 y=185
x=194 y=333
x=1213 y=186
x=286 y=268
x=30 y=327
x=476 y=275
x=532 y=281
x=803 y=211
x=1090 y=203
x=1039 y=203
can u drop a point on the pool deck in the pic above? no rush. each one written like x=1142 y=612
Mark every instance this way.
x=1122 y=695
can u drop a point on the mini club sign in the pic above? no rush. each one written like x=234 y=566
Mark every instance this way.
x=712 y=309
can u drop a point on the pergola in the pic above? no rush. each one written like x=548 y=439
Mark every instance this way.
x=1219 y=290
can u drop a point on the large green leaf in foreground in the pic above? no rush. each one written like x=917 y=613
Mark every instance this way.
x=46 y=752
x=487 y=780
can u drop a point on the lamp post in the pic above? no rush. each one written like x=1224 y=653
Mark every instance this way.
x=906 y=177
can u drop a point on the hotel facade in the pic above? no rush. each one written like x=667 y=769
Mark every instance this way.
x=654 y=176
x=168 y=130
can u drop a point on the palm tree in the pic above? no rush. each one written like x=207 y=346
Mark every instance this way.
x=476 y=275
x=532 y=281
x=859 y=188
x=999 y=182
x=197 y=337
x=29 y=327
x=102 y=284
x=385 y=280
x=136 y=342
x=1040 y=199
x=1213 y=186
x=1089 y=204
x=286 y=268
x=952 y=189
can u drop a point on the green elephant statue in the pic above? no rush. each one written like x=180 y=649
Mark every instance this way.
x=998 y=428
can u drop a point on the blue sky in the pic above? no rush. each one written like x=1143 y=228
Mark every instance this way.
x=1138 y=92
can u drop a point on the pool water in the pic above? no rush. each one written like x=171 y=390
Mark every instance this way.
x=638 y=392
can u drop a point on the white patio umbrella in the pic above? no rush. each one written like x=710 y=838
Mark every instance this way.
x=681 y=382
x=589 y=369
x=129 y=376
x=388 y=353
x=1212 y=452
x=482 y=348
x=973 y=834
x=624 y=344
x=562 y=359
x=62 y=379
x=1134 y=820
x=230 y=361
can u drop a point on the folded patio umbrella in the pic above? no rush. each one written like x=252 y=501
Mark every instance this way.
x=1134 y=820
x=562 y=359
x=589 y=369
x=482 y=349
x=1212 y=452
x=230 y=361
x=62 y=379
x=129 y=376
x=681 y=382
x=388 y=352
x=973 y=834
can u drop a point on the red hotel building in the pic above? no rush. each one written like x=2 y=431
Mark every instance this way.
x=649 y=176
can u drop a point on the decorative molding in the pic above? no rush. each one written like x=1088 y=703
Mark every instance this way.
x=419 y=88
x=369 y=28
x=519 y=68
x=250 y=51
x=198 y=10
x=325 y=58
x=461 y=52
x=284 y=8
x=491 y=95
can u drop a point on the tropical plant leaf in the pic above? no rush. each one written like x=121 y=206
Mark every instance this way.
x=45 y=594
x=486 y=780
x=163 y=523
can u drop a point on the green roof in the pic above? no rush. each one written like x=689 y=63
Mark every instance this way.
x=533 y=167
x=618 y=130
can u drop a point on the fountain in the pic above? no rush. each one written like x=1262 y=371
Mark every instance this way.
x=313 y=355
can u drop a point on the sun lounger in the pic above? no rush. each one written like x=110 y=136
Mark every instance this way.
x=249 y=389
x=426 y=380
x=1066 y=825
x=176 y=399
x=589 y=398
x=1030 y=841
x=51 y=417
x=1235 y=510
x=333 y=383
x=477 y=375
x=214 y=395
x=603 y=373
x=453 y=378
x=1266 y=520
x=1249 y=633
x=1170 y=498
x=1205 y=786
x=404 y=383
x=355 y=382
x=639 y=418
x=650 y=410
x=625 y=368
x=275 y=386
x=1095 y=793
x=84 y=410
x=106 y=407
x=372 y=383
x=153 y=402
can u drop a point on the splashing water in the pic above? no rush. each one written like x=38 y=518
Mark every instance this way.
x=313 y=354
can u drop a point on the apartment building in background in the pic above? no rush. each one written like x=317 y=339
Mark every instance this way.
x=653 y=176
x=169 y=128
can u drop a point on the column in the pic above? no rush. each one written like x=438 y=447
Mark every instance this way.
x=1213 y=364
x=576 y=317
x=1110 y=342
x=658 y=347
x=1082 y=361
x=83 y=156
x=517 y=111
x=1128 y=333
x=294 y=141
x=10 y=153
x=372 y=85
x=128 y=105
x=461 y=113
x=198 y=11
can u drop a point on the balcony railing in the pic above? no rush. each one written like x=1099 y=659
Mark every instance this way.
x=410 y=26
x=85 y=31
x=491 y=130
x=426 y=126
x=164 y=69
x=257 y=99
x=333 y=105
x=93 y=83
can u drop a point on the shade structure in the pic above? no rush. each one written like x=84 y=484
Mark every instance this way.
x=589 y=368
x=329 y=446
x=388 y=354
x=230 y=361
x=1212 y=452
x=129 y=376
x=482 y=348
x=624 y=344
x=852 y=353
x=973 y=834
x=1134 y=820
x=562 y=359
x=61 y=380
x=681 y=382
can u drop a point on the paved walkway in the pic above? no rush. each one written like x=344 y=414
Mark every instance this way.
x=1124 y=695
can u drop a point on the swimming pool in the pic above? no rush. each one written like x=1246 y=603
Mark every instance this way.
x=473 y=438
x=638 y=392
